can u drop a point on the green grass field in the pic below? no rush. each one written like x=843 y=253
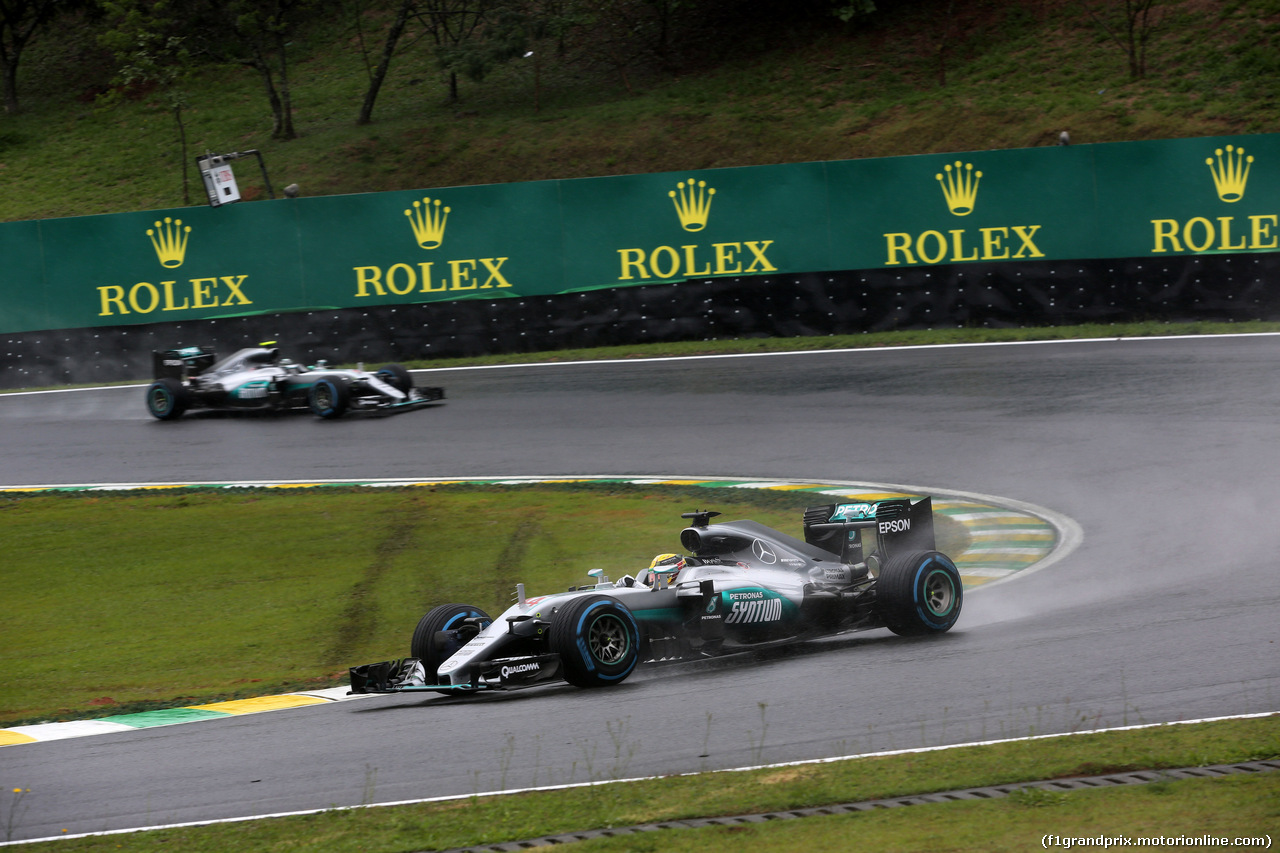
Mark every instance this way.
x=127 y=602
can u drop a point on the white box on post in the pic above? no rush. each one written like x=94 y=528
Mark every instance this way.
x=219 y=180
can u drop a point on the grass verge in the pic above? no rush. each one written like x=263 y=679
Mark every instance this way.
x=1230 y=807
x=125 y=602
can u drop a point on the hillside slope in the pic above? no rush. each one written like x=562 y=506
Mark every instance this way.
x=912 y=79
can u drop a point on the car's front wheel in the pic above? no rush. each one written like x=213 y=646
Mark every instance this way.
x=919 y=592
x=167 y=399
x=329 y=397
x=443 y=631
x=597 y=639
x=397 y=376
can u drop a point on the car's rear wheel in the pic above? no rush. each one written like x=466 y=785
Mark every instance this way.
x=443 y=631
x=597 y=639
x=919 y=592
x=397 y=376
x=167 y=399
x=329 y=397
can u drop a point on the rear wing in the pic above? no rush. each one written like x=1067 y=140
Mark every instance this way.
x=181 y=362
x=856 y=531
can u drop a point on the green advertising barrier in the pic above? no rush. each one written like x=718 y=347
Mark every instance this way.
x=642 y=229
x=22 y=285
x=1189 y=196
x=170 y=265
x=1154 y=199
x=989 y=206
x=485 y=242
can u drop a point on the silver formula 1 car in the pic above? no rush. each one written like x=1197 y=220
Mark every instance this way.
x=257 y=378
x=742 y=585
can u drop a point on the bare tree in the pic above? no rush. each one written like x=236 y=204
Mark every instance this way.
x=20 y=21
x=451 y=24
x=620 y=36
x=404 y=10
x=945 y=29
x=263 y=30
x=1133 y=32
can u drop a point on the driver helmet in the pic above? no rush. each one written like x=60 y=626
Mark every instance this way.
x=664 y=568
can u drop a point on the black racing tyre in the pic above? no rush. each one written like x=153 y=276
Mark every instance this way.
x=597 y=639
x=919 y=592
x=442 y=632
x=329 y=397
x=396 y=376
x=167 y=399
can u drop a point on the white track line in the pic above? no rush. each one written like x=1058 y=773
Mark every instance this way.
x=570 y=786
x=841 y=351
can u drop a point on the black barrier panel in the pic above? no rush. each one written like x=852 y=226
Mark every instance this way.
x=1233 y=288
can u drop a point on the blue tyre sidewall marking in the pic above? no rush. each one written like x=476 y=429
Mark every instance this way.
x=580 y=634
x=588 y=658
x=466 y=614
x=333 y=394
x=923 y=572
x=166 y=395
x=454 y=619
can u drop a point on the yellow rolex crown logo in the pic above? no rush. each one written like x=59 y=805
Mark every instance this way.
x=428 y=219
x=1230 y=173
x=960 y=188
x=170 y=241
x=693 y=204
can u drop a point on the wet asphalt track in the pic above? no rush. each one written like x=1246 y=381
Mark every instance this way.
x=1166 y=453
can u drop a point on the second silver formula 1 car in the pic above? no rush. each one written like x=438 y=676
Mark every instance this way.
x=859 y=566
x=258 y=378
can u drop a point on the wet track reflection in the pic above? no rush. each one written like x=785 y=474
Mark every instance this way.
x=1164 y=452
